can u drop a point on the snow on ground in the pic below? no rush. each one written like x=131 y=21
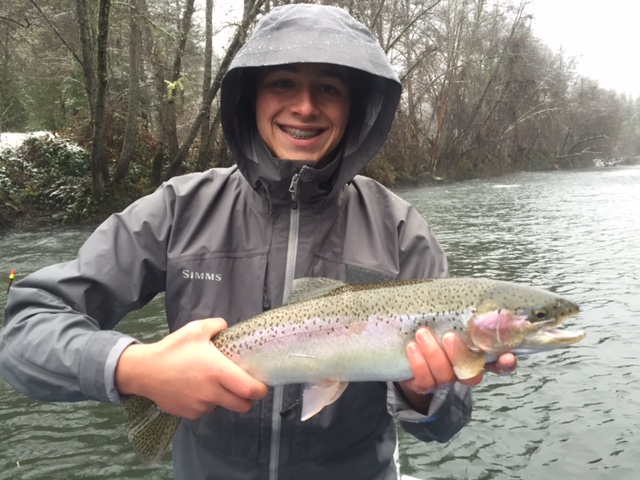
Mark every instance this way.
x=14 y=140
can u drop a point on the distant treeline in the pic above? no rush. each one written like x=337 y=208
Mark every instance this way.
x=137 y=83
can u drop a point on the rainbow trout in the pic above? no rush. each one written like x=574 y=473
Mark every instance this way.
x=330 y=334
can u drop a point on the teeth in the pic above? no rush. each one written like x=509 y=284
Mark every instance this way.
x=301 y=134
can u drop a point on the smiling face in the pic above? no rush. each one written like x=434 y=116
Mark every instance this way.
x=302 y=109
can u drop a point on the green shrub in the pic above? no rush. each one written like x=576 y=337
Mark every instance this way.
x=47 y=176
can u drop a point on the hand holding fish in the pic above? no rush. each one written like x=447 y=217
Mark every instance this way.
x=186 y=375
x=432 y=367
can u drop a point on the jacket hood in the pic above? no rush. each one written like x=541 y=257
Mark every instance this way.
x=302 y=33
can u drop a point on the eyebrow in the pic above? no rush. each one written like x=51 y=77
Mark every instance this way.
x=329 y=71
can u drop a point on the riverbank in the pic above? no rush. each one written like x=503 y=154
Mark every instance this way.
x=46 y=181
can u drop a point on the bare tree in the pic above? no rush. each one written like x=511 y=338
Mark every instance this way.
x=206 y=134
x=168 y=90
x=14 y=22
x=481 y=94
x=250 y=13
x=131 y=129
x=99 y=169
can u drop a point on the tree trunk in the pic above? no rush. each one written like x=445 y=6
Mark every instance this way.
x=204 y=154
x=99 y=170
x=86 y=40
x=131 y=128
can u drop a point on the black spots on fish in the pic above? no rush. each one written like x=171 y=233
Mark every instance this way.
x=244 y=346
x=414 y=330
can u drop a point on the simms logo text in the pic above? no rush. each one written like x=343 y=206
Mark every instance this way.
x=214 y=277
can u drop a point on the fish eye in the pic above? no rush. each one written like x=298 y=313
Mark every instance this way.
x=540 y=314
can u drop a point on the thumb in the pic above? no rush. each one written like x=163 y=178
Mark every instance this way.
x=210 y=327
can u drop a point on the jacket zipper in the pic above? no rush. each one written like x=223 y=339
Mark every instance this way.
x=292 y=251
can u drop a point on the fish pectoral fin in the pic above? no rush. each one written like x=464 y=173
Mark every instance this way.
x=467 y=363
x=316 y=396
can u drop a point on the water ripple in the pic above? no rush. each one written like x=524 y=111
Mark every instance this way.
x=564 y=414
x=569 y=413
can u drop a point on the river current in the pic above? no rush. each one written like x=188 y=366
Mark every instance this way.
x=569 y=413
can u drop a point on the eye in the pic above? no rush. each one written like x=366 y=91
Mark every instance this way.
x=540 y=314
x=329 y=90
x=334 y=87
x=282 y=83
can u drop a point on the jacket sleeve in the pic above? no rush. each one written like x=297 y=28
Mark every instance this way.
x=56 y=343
x=421 y=256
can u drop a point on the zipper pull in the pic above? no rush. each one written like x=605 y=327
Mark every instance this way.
x=293 y=189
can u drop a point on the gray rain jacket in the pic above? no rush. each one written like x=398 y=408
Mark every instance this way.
x=227 y=243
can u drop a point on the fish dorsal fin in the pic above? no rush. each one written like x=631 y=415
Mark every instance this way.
x=312 y=287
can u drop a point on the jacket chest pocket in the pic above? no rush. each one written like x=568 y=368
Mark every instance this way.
x=226 y=286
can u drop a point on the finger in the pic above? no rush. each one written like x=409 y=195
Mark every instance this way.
x=245 y=386
x=201 y=329
x=423 y=380
x=232 y=377
x=223 y=398
x=212 y=326
x=235 y=379
x=231 y=401
x=438 y=361
x=504 y=365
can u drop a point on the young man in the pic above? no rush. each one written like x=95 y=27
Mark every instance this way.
x=306 y=104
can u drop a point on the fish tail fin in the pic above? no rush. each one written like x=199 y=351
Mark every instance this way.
x=149 y=429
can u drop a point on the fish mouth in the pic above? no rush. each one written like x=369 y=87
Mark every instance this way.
x=546 y=337
x=555 y=337
x=302 y=133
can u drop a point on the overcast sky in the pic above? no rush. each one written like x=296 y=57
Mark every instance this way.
x=602 y=36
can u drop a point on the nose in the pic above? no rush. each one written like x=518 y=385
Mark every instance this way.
x=304 y=103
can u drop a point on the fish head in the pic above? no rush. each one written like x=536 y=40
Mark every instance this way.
x=522 y=320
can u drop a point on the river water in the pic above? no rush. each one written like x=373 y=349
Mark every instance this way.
x=568 y=414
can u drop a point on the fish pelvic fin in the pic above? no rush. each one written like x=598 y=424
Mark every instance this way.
x=149 y=429
x=467 y=363
x=316 y=396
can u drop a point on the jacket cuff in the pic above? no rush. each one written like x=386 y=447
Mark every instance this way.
x=449 y=412
x=402 y=411
x=98 y=365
